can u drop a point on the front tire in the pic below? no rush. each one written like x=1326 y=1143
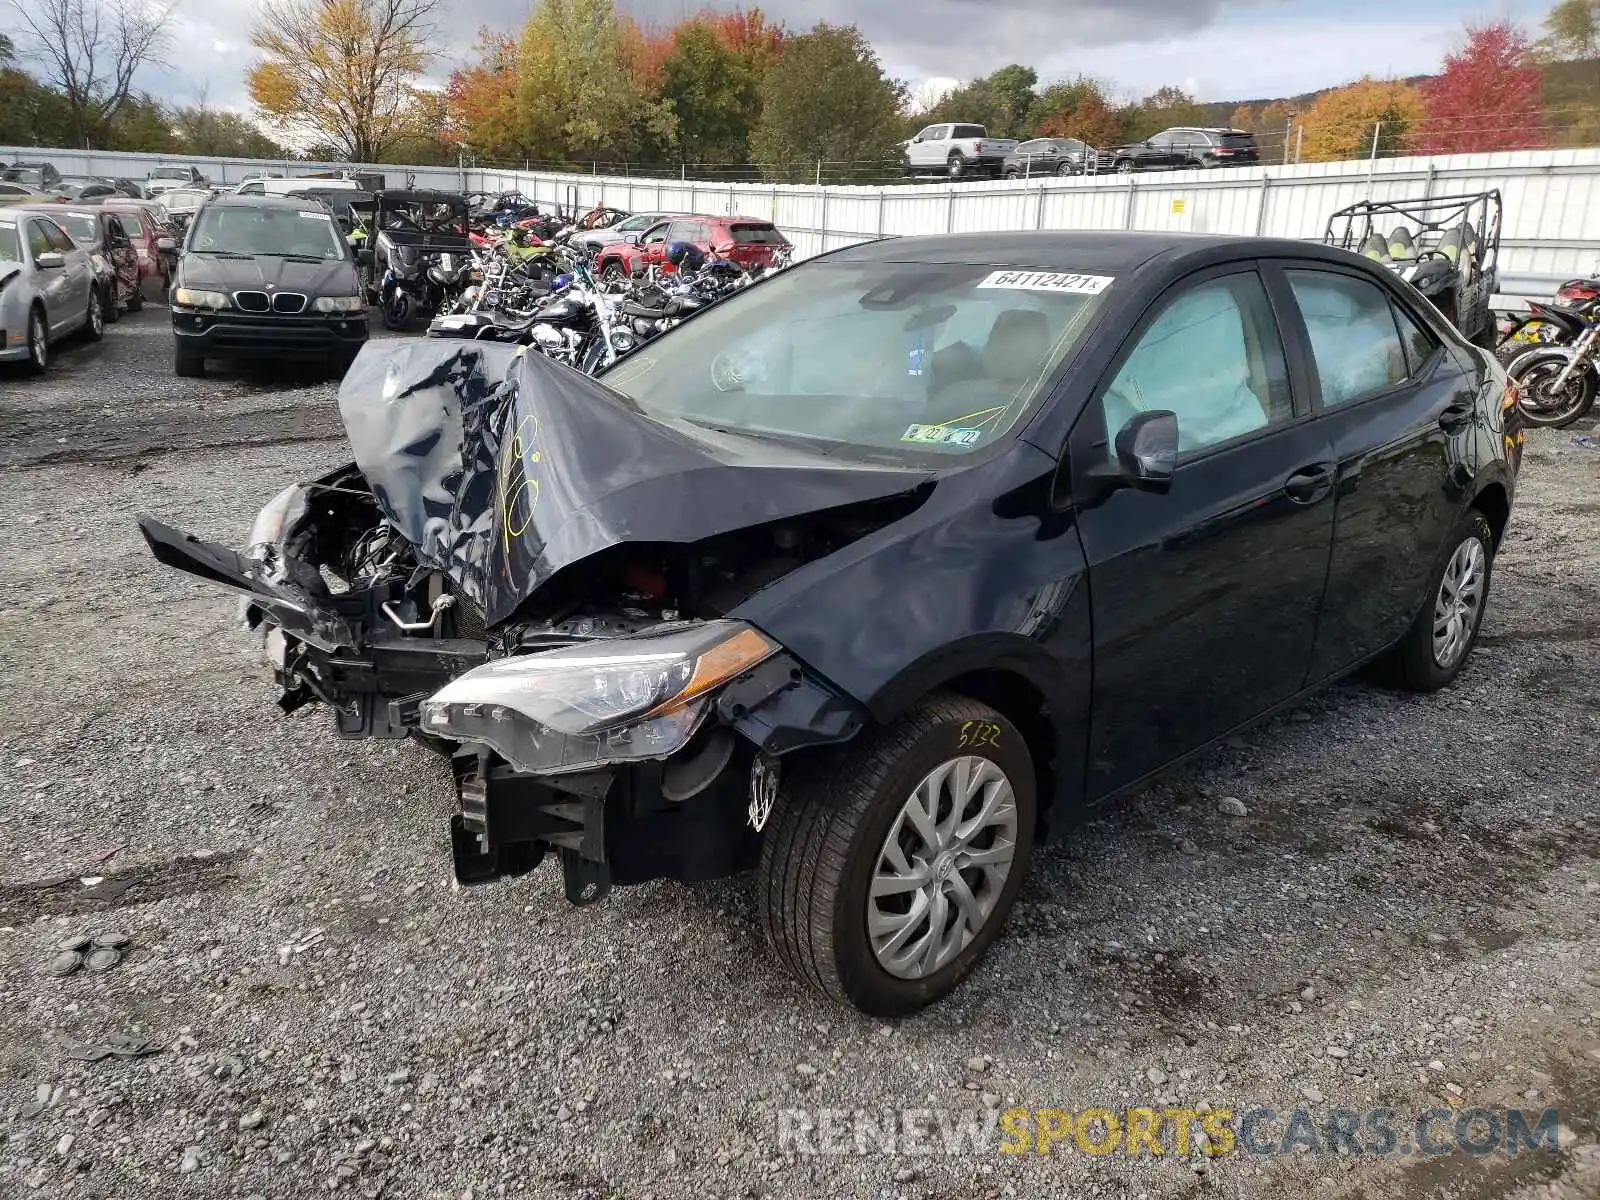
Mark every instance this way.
x=38 y=341
x=890 y=864
x=136 y=297
x=109 y=305
x=1441 y=639
x=1535 y=373
x=1124 y=166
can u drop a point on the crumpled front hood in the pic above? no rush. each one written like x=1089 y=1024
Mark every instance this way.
x=502 y=467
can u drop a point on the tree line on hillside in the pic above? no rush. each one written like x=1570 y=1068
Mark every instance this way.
x=726 y=92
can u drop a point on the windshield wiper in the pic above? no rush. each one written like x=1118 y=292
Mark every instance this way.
x=311 y=258
x=226 y=253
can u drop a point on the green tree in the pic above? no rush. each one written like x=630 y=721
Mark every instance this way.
x=576 y=98
x=1162 y=109
x=142 y=124
x=826 y=99
x=1572 y=30
x=31 y=114
x=1001 y=103
x=218 y=133
x=714 y=93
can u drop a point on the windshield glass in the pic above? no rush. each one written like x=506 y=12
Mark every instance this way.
x=10 y=247
x=280 y=232
x=29 y=175
x=906 y=357
x=169 y=173
x=82 y=228
x=635 y=224
x=131 y=224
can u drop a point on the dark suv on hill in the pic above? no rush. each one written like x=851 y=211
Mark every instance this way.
x=1176 y=149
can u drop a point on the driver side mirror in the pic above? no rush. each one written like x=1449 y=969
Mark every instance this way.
x=918 y=138
x=364 y=256
x=166 y=243
x=1147 y=450
x=50 y=260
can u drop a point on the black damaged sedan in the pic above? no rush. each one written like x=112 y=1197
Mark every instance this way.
x=869 y=574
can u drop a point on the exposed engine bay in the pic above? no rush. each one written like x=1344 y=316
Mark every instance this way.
x=543 y=586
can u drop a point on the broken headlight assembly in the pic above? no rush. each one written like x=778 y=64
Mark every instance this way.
x=578 y=707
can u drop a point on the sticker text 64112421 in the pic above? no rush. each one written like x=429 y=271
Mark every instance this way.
x=1048 y=281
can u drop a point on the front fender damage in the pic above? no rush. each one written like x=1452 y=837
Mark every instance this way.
x=696 y=815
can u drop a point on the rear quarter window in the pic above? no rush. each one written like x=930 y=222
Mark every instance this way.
x=1235 y=139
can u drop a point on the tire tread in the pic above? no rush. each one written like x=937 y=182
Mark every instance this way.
x=814 y=824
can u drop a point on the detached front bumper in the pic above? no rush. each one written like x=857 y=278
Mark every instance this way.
x=268 y=335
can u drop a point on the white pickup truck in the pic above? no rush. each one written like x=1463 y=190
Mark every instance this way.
x=957 y=151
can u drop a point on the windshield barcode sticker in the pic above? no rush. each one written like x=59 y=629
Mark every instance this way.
x=316 y=216
x=1048 y=281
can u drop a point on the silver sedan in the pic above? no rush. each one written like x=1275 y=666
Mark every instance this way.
x=47 y=288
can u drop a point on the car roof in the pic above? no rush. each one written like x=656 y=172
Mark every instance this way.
x=53 y=210
x=288 y=203
x=1111 y=252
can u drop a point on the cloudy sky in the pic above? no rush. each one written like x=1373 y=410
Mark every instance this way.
x=1217 y=49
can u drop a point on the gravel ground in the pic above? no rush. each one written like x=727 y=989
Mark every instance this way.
x=1377 y=901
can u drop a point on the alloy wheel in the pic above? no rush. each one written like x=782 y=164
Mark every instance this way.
x=942 y=867
x=97 y=316
x=1459 y=604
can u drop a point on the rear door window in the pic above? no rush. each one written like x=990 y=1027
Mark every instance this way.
x=968 y=131
x=1354 y=339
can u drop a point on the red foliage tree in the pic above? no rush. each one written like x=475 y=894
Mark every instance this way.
x=748 y=33
x=1489 y=96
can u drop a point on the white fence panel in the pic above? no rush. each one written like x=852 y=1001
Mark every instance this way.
x=1551 y=198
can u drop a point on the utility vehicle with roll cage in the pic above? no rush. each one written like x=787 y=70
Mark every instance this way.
x=1447 y=247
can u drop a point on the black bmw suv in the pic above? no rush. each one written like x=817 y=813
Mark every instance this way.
x=1175 y=149
x=262 y=277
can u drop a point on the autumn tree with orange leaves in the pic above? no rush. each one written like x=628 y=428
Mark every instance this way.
x=343 y=73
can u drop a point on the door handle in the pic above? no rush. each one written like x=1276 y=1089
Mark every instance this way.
x=1455 y=417
x=1309 y=484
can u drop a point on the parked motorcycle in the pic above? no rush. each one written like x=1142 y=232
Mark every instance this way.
x=1546 y=325
x=1556 y=385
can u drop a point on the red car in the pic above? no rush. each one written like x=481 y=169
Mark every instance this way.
x=748 y=241
x=148 y=231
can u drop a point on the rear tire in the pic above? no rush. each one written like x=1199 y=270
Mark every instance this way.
x=956 y=167
x=840 y=820
x=109 y=305
x=1441 y=639
x=136 y=297
x=187 y=366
